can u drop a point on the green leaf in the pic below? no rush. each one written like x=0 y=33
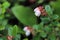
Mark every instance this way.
x=4 y=22
x=55 y=17
x=1 y=38
x=36 y=27
x=54 y=23
x=47 y=29
x=1 y=17
x=18 y=37
x=15 y=30
x=57 y=28
x=43 y=34
x=36 y=37
x=45 y=19
x=6 y=4
x=41 y=26
x=58 y=24
x=48 y=9
x=52 y=36
x=24 y=14
x=12 y=31
x=2 y=27
x=3 y=10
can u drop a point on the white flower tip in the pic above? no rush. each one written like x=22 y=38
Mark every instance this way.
x=37 y=14
x=27 y=33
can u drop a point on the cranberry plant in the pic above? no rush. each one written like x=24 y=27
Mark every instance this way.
x=29 y=19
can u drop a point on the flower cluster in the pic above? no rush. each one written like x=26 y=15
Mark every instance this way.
x=40 y=11
x=27 y=30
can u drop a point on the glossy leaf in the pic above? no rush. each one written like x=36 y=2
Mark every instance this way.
x=24 y=14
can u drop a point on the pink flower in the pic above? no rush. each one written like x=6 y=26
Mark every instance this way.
x=25 y=28
x=37 y=12
x=40 y=11
x=27 y=31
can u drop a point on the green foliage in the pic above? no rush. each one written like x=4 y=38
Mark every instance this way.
x=13 y=20
x=52 y=36
x=48 y=29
